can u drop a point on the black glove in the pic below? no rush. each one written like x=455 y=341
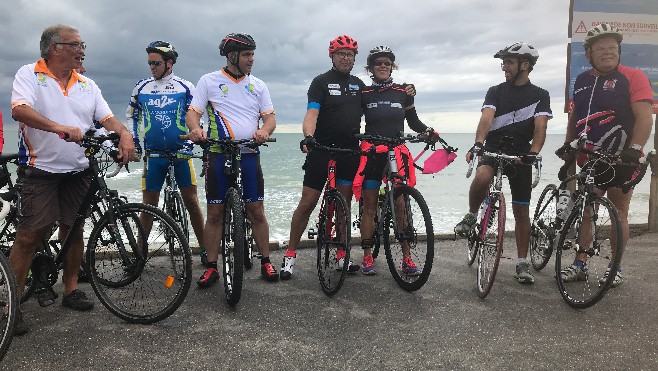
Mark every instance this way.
x=530 y=158
x=432 y=135
x=308 y=141
x=563 y=150
x=476 y=149
x=631 y=155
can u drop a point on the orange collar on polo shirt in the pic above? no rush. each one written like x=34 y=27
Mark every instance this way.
x=42 y=67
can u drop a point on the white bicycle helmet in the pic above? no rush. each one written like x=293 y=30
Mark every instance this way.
x=380 y=51
x=520 y=50
x=601 y=30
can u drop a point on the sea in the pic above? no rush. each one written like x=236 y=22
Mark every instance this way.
x=446 y=192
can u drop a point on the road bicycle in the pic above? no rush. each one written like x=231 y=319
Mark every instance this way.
x=141 y=276
x=403 y=221
x=485 y=239
x=333 y=229
x=581 y=224
x=237 y=240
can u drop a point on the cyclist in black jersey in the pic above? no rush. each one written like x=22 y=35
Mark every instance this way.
x=514 y=118
x=333 y=116
x=386 y=105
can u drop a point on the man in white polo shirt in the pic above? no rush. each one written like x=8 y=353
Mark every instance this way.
x=235 y=101
x=51 y=99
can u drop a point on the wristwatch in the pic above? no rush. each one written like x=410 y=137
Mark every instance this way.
x=637 y=147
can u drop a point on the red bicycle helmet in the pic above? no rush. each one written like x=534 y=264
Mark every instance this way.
x=343 y=42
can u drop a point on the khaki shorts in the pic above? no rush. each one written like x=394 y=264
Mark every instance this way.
x=44 y=197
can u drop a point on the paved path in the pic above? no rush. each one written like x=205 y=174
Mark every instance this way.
x=369 y=324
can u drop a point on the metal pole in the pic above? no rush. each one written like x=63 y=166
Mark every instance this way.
x=653 y=192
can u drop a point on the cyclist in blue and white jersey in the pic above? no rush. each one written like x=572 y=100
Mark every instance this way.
x=235 y=102
x=157 y=110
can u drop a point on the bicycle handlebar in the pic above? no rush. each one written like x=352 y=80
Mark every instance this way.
x=644 y=164
x=536 y=163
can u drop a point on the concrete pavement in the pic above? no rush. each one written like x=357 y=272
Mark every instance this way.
x=369 y=324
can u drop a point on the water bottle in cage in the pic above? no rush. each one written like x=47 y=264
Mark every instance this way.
x=564 y=204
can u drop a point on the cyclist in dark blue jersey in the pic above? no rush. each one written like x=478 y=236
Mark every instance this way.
x=612 y=104
x=514 y=119
x=386 y=105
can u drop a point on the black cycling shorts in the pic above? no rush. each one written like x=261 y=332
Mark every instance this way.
x=519 y=177
x=315 y=168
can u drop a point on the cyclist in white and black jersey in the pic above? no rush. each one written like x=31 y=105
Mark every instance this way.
x=514 y=118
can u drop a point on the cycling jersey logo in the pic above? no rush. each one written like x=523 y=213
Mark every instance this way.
x=396 y=105
x=371 y=105
x=83 y=85
x=609 y=84
x=354 y=87
x=164 y=119
x=223 y=88
x=249 y=88
x=333 y=86
x=41 y=78
x=161 y=102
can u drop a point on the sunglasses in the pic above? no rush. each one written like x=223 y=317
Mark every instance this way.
x=384 y=63
x=154 y=63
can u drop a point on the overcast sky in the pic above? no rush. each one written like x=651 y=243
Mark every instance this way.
x=444 y=47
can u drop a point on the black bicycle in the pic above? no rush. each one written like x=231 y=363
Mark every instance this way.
x=237 y=240
x=581 y=224
x=140 y=276
x=332 y=231
x=404 y=223
x=9 y=300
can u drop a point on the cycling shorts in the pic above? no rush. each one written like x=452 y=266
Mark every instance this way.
x=315 y=169
x=519 y=177
x=155 y=172
x=253 y=187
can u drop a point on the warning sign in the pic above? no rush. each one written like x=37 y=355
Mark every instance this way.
x=581 y=28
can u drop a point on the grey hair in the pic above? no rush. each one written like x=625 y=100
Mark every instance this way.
x=51 y=35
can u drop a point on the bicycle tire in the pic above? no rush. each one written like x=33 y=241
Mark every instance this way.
x=164 y=268
x=248 y=245
x=7 y=237
x=176 y=209
x=9 y=303
x=585 y=293
x=333 y=235
x=416 y=223
x=473 y=245
x=492 y=227
x=542 y=229
x=232 y=248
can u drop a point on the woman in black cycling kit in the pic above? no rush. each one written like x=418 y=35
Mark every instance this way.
x=386 y=105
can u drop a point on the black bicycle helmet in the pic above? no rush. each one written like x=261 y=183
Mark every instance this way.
x=236 y=42
x=380 y=51
x=163 y=48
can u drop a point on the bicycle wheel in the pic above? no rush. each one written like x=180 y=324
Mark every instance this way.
x=233 y=246
x=176 y=209
x=492 y=233
x=412 y=236
x=7 y=237
x=542 y=230
x=8 y=305
x=248 y=245
x=149 y=275
x=333 y=242
x=595 y=230
x=473 y=245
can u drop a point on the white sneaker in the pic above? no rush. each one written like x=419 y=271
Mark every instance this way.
x=286 y=267
x=615 y=281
